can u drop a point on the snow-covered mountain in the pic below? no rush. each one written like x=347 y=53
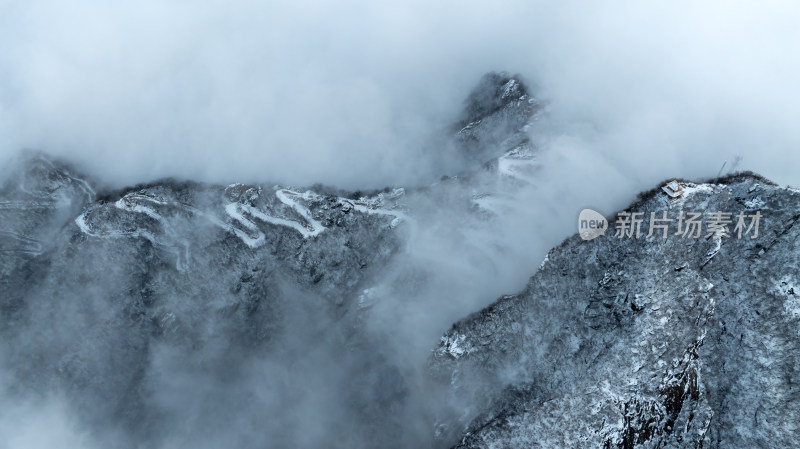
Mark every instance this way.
x=118 y=299
x=643 y=342
x=183 y=314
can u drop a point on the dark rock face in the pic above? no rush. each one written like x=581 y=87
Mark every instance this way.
x=496 y=114
x=649 y=342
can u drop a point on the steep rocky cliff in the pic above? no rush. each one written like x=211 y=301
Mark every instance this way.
x=652 y=341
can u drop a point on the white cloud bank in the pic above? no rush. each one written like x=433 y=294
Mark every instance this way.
x=345 y=93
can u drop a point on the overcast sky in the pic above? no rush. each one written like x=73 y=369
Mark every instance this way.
x=345 y=93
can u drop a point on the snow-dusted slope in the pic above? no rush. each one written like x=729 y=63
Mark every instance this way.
x=649 y=342
x=131 y=302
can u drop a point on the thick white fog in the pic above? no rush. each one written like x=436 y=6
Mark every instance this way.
x=344 y=93
x=350 y=95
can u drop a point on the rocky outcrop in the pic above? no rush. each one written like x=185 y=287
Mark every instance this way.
x=623 y=342
x=496 y=116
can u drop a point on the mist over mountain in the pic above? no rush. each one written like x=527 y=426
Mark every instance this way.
x=244 y=224
x=182 y=313
x=349 y=94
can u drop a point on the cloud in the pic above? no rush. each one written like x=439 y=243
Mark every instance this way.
x=345 y=94
x=40 y=423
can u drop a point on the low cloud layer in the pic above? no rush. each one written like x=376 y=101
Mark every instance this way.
x=347 y=94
